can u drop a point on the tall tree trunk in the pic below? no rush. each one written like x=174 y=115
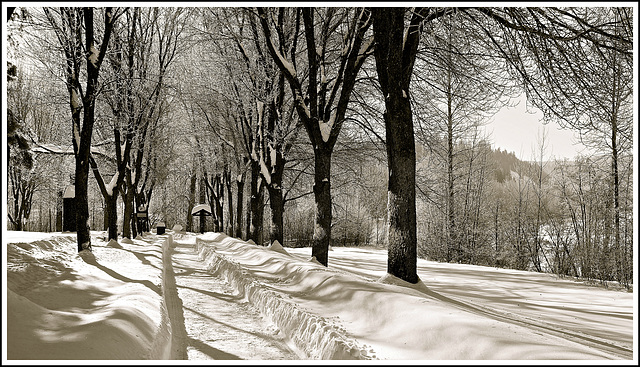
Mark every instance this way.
x=276 y=204
x=219 y=189
x=111 y=213
x=216 y=201
x=129 y=210
x=452 y=238
x=322 y=195
x=395 y=55
x=192 y=202
x=257 y=207
x=248 y=219
x=70 y=38
x=82 y=204
x=239 y=206
x=402 y=261
x=616 y=200
x=314 y=109
x=202 y=201
x=615 y=108
x=227 y=183
x=93 y=61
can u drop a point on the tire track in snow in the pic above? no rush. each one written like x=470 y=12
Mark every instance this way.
x=219 y=323
x=555 y=330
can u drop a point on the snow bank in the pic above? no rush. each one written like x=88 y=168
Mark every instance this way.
x=277 y=247
x=334 y=314
x=121 y=302
x=102 y=305
x=113 y=243
x=172 y=341
x=314 y=335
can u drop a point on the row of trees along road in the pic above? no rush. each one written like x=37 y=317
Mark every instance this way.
x=274 y=96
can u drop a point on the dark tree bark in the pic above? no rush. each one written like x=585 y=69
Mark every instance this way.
x=324 y=214
x=272 y=156
x=129 y=228
x=239 y=206
x=395 y=55
x=451 y=235
x=321 y=107
x=227 y=183
x=247 y=225
x=219 y=190
x=203 y=183
x=215 y=191
x=276 y=203
x=191 y=203
x=69 y=35
x=257 y=204
x=110 y=195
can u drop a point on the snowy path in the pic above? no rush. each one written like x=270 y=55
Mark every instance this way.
x=157 y=298
x=219 y=323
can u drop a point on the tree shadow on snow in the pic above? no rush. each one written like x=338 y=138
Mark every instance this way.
x=211 y=351
x=90 y=259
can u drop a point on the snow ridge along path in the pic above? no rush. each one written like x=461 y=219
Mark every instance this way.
x=172 y=305
x=217 y=322
x=313 y=335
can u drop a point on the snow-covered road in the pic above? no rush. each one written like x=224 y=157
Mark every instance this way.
x=203 y=297
x=220 y=324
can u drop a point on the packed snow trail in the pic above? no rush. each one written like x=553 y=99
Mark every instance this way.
x=219 y=324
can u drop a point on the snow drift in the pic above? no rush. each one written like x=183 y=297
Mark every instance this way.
x=313 y=335
x=101 y=305
x=120 y=302
x=331 y=313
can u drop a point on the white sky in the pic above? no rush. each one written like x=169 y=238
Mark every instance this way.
x=518 y=131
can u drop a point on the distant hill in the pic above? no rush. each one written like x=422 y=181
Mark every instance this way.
x=505 y=162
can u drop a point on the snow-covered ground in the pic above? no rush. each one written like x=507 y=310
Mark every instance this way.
x=178 y=296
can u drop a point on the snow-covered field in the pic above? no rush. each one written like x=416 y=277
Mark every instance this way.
x=181 y=296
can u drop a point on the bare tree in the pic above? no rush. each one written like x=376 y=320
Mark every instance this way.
x=321 y=102
x=547 y=49
x=72 y=26
x=156 y=42
x=396 y=46
x=395 y=53
x=459 y=85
